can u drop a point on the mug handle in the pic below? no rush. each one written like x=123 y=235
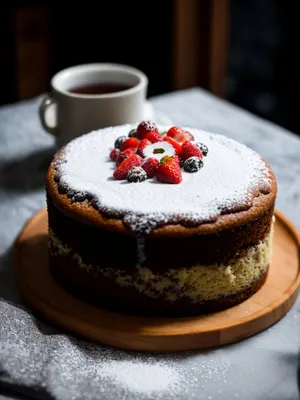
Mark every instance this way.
x=47 y=101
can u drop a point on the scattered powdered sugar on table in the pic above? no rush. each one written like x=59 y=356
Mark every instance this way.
x=154 y=379
x=41 y=362
x=81 y=367
x=231 y=170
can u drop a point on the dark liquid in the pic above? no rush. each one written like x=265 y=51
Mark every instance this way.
x=101 y=88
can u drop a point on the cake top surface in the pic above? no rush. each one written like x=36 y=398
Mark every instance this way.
x=231 y=177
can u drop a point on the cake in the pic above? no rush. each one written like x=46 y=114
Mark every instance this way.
x=160 y=220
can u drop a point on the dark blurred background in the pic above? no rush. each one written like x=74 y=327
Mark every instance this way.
x=241 y=50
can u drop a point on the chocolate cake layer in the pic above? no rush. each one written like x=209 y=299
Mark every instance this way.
x=115 y=250
x=105 y=293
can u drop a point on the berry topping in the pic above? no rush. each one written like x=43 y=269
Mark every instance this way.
x=122 y=170
x=203 y=148
x=131 y=142
x=179 y=160
x=193 y=164
x=176 y=145
x=154 y=137
x=174 y=132
x=187 y=136
x=149 y=165
x=136 y=174
x=132 y=133
x=114 y=154
x=145 y=127
x=143 y=144
x=159 y=150
x=179 y=134
x=168 y=170
x=119 y=141
x=188 y=149
x=146 y=153
x=125 y=154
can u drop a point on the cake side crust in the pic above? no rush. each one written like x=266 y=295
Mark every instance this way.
x=116 y=250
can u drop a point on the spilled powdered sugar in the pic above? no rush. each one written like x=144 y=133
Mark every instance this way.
x=43 y=363
x=231 y=171
x=151 y=378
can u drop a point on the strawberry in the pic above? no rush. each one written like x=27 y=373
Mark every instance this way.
x=143 y=144
x=179 y=134
x=176 y=145
x=189 y=150
x=174 y=132
x=131 y=142
x=179 y=160
x=145 y=127
x=122 y=170
x=154 y=137
x=149 y=165
x=186 y=136
x=168 y=170
x=114 y=154
x=125 y=154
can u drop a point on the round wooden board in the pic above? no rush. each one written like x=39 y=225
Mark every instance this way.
x=77 y=317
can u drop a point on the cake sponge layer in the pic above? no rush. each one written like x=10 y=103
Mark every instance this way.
x=196 y=283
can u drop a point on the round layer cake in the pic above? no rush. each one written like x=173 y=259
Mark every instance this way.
x=150 y=247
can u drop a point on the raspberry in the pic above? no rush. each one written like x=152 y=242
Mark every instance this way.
x=122 y=170
x=114 y=154
x=149 y=165
x=131 y=142
x=169 y=171
x=119 y=141
x=154 y=137
x=179 y=134
x=193 y=164
x=136 y=174
x=189 y=150
x=173 y=142
x=143 y=144
x=203 y=148
x=125 y=154
x=145 y=127
x=132 y=133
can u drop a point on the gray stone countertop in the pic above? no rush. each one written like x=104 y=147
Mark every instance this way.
x=261 y=367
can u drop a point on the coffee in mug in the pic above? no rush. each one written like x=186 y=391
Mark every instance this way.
x=100 y=88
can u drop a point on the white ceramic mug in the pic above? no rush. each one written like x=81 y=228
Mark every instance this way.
x=74 y=114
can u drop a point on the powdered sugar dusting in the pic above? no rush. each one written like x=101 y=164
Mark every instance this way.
x=43 y=363
x=231 y=174
x=154 y=378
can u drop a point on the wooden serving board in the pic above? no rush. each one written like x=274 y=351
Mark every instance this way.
x=49 y=300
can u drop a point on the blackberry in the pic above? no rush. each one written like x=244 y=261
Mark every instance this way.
x=119 y=141
x=137 y=174
x=203 y=148
x=193 y=164
x=132 y=133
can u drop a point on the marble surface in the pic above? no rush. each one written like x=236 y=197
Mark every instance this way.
x=261 y=367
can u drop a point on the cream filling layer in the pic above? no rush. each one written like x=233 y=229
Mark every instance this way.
x=197 y=283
